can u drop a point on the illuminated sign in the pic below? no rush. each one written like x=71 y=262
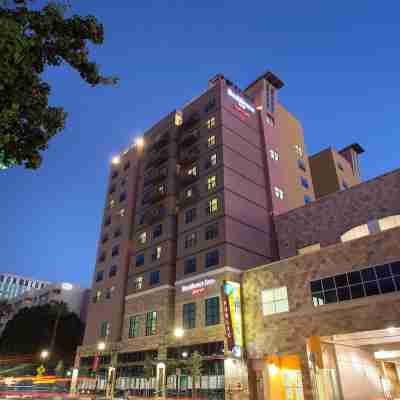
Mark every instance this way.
x=231 y=300
x=242 y=104
x=198 y=287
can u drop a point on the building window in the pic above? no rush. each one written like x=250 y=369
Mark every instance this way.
x=340 y=166
x=344 y=185
x=122 y=197
x=190 y=240
x=188 y=193
x=304 y=182
x=212 y=311
x=121 y=212
x=139 y=282
x=134 y=324
x=211 y=182
x=209 y=106
x=99 y=276
x=107 y=221
x=126 y=165
x=299 y=150
x=102 y=256
x=211 y=141
x=211 y=231
x=111 y=204
x=112 y=188
x=192 y=171
x=157 y=232
x=139 y=260
x=301 y=164
x=151 y=323
x=97 y=296
x=213 y=159
x=142 y=238
x=270 y=120
x=307 y=199
x=278 y=192
x=154 y=278
x=212 y=258
x=162 y=189
x=104 y=329
x=115 y=251
x=109 y=292
x=114 y=175
x=211 y=123
x=113 y=271
x=189 y=265
x=189 y=315
x=212 y=206
x=371 y=281
x=190 y=215
x=104 y=238
x=156 y=253
x=274 y=155
x=123 y=181
x=117 y=232
x=275 y=300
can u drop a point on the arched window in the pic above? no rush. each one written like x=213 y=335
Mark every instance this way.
x=389 y=222
x=355 y=233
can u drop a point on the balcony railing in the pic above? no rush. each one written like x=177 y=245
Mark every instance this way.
x=160 y=143
x=157 y=158
x=189 y=138
x=186 y=200
x=192 y=121
x=154 y=215
x=185 y=179
x=158 y=176
x=188 y=157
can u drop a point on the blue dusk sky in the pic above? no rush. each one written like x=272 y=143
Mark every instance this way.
x=340 y=62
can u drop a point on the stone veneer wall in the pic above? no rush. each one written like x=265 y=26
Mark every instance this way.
x=326 y=219
x=287 y=332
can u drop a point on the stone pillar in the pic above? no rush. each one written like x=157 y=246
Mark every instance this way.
x=306 y=376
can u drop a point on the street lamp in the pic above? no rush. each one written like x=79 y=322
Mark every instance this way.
x=179 y=332
x=101 y=346
x=44 y=354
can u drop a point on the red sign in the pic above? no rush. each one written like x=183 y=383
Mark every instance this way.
x=198 y=291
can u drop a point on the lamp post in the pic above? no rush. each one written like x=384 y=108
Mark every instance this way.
x=100 y=347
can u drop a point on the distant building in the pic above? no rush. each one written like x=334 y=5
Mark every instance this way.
x=12 y=285
x=74 y=296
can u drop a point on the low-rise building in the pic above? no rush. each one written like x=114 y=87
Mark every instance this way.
x=12 y=285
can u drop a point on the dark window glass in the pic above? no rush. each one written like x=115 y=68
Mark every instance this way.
x=113 y=271
x=157 y=231
x=354 y=277
x=307 y=199
x=395 y=268
x=211 y=231
x=318 y=299
x=122 y=197
x=316 y=286
x=397 y=280
x=154 y=278
x=341 y=280
x=328 y=283
x=115 y=251
x=368 y=274
x=190 y=215
x=301 y=164
x=343 y=293
x=189 y=315
x=126 y=166
x=117 y=232
x=371 y=288
x=99 y=276
x=212 y=311
x=382 y=271
x=330 y=296
x=357 y=291
x=112 y=189
x=212 y=258
x=151 y=323
x=139 y=260
x=114 y=175
x=190 y=265
x=386 y=285
x=107 y=221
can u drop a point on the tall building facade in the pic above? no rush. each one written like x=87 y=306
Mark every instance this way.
x=190 y=206
x=12 y=285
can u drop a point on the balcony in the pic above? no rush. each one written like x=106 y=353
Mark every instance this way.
x=157 y=158
x=155 y=177
x=188 y=157
x=160 y=143
x=191 y=122
x=189 y=138
x=185 y=179
x=154 y=215
x=185 y=199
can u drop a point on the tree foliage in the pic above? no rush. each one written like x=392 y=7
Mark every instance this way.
x=30 y=41
x=31 y=329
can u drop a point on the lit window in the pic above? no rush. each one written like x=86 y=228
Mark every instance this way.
x=157 y=253
x=139 y=282
x=274 y=155
x=299 y=150
x=270 y=120
x=109 y=292
x=211 y=123
x=97 y=296
x=188 y=193
x=389 y=222
x=213 y=206
x=275 y=300
x=139 y=260
x=151 y=323
x=212 y=182
x=304 y=182
x=190 y=240
x=211 y=141
x=213 y=159
x=154 y=278
x=104 y=329
x=142 y=238
x=134 y=324
x=161 y=189
x=121 y=212
x=278 y=193
x=192 y=171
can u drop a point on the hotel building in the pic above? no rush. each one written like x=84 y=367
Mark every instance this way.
x=212 y=192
